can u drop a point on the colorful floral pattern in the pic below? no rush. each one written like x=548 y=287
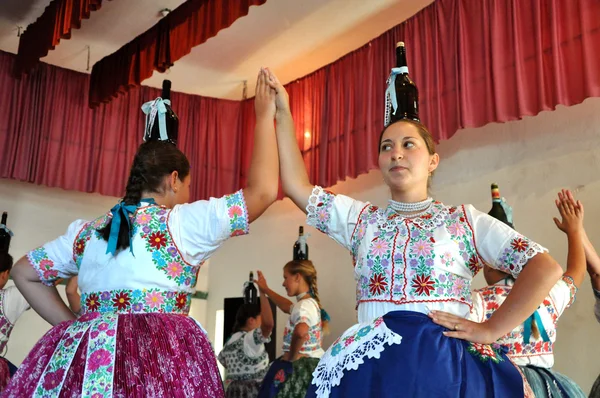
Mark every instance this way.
x=151 y=222
x=492 y=298
x=136 y=301
x=366 y=340
x=83 y=237
x=430 y=258
x=238 y=213
x=486 y=352
x=101 y=353
x=354 y=337
x=43 y=265
x=51 y=381
x=319 y=207
x=314 y=341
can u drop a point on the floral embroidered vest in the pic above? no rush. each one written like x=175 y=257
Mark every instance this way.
x=425 y=259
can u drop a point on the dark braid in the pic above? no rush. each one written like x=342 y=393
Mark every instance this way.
x=6 y=261
x=153 y=161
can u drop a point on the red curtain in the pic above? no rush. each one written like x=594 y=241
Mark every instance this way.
x=174 y=36
x=59 y=17
x=475 y=62
x=49 y=135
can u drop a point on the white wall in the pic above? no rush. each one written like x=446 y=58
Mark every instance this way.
x=531 y=159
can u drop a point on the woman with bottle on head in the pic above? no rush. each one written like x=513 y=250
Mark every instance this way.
x=12 y=306
x=413 y=259
x=530 y=345
x=244 y=355
x=137 y=267
x=290 y=375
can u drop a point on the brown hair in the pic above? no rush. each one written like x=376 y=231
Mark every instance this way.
x=153 y=161
x=309 y=273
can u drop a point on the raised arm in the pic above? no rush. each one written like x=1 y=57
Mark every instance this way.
x=571 y=223
x=263 y=176
x=44 y=299
x=266 y=313
x=294 y=178
x=284 y=304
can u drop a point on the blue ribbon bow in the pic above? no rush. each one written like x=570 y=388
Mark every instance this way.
x=122 y=211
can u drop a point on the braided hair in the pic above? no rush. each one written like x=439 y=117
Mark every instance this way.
x=153 y=161
x=309 y=273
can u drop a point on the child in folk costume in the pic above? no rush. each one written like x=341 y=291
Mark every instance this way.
x=244 y=355
x=530 y=345
x=137 y=267
x=413 y=259
x=290 y=376
x=12 y=306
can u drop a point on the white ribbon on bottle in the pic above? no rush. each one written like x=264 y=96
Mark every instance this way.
x=151 y=109
x=508 y=210
x=390 y=93
x=5 y=228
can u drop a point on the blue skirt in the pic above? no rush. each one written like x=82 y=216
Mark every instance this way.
x=424 y=364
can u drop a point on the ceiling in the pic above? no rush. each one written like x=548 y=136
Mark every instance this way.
x=294 y=38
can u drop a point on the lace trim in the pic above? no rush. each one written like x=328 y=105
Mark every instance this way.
x=349 y=351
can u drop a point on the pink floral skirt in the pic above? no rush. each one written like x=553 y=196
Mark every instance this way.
x=120 y=355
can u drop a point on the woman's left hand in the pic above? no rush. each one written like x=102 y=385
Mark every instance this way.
x=462 y=328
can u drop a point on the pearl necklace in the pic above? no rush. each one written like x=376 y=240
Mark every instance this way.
x=402 y=207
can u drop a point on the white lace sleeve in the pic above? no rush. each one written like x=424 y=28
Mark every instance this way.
x=334 y=215
x=500 y=246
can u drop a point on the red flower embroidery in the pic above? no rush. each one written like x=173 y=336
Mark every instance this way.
x=157 y=240
x=377 y=284
x=92 y=302
x=79 y=247
x=121 y=301
x=474 y=265
x=492 y=306
x=181 y=301
x=518 y=348
x=53 y=379
x=519 y=244
x=426 y=216
x=280 y=376
x=423 y=284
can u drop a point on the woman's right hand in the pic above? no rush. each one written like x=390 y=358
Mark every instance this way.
x=261 y=282
x=264 y=100
x=282 y=99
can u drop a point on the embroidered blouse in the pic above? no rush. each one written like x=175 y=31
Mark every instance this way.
x=244 y=356
x=420 y=263
x=537 y=352
x=305 y=311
